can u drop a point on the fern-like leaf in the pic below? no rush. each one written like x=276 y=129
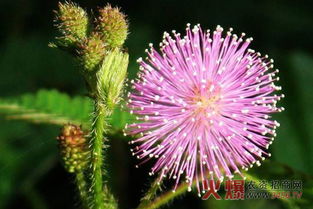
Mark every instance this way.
x=53 y=107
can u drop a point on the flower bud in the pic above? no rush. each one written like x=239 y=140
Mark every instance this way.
x=73 y=148
x=91 y=52
x=112 y=25
x=111 y=77
x=72 y=22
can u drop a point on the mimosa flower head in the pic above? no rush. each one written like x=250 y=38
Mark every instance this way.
x=203 y=104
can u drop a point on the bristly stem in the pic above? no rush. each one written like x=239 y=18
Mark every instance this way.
x=96 y=145
x=150 y=194
x=99 y=49
x=109 y=82
x=165 y=198
x=183 y=187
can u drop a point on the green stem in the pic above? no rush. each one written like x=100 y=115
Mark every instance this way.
x=96 y=146
x=165 y=198
x=183 y=187
x=82 y=187
x=288 y=202
x=150 y=194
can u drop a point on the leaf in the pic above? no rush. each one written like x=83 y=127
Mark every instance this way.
x=47 y=106
x=53 y=107
x=120 y=118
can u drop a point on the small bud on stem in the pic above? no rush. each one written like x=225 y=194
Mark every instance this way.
x=73 y=148
x=104 y=67
x=91 y=52
x=112 y=24
x=72 y=22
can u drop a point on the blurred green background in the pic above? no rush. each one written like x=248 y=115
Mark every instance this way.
x=31 y=176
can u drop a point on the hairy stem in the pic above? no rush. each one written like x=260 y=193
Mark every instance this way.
x=183 y=187
x=96 y=145
x=165 y=198
x=150 y=194
x=272 y=192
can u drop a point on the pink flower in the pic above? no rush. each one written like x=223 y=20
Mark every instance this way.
x=203 y=106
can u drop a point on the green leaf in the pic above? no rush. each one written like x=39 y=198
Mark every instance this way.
x=53 y=107
x=120 y=118
x=47 y=106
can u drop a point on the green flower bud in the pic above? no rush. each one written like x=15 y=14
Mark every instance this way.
x=91 y=52
x=73 y=148
x=72 y=22
x=111 y=77
x=112 y=25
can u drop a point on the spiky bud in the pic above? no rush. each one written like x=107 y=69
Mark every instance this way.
x=91 y=51
x=73 y=148
x=112 y=25
x=72 y=22
x=111 y=77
